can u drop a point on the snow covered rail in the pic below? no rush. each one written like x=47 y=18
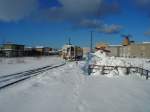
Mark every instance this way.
x=104 y=69
x=11 y=79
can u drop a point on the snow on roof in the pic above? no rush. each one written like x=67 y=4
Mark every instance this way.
x=39 y=47
x=114 y=45
x=67 y=46
x=146 y=42
x=13 y=44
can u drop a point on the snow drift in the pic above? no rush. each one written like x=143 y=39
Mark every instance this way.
x=100 y=58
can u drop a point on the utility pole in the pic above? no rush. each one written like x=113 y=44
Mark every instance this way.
x=69 y=41
x=91 y=42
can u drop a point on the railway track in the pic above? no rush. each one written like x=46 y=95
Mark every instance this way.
x=11 y=79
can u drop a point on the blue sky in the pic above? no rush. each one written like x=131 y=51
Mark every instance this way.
x=52 y=22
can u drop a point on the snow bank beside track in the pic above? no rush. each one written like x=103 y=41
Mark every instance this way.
x=118 y=65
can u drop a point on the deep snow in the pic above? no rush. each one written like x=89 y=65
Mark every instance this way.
x=101 y=58
x=68 y=89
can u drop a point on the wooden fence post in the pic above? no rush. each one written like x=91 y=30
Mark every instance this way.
x=137 y=69
x=89 y=70
x=147 y=75
x=102 y=72
x=128 y=71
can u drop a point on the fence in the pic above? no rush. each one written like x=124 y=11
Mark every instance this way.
x=104 y=69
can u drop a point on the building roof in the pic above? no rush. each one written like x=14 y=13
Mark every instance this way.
x=13 y=44
x=29 y=47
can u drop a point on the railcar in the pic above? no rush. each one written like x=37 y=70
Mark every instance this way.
x=72 y=52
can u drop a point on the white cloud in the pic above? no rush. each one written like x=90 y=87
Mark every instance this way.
x=81 y=13
x=143 y=5
x=110 y=29
x=99 y=26
x=75 y=10
x=80 y=7
x=147 y=33
x=86 y=23
x=14 y=10
x=84 y=14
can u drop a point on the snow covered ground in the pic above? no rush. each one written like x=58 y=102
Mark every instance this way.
x=14 y=65
x=69 y=89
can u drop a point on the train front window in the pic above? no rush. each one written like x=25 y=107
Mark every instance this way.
x=72 y=49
